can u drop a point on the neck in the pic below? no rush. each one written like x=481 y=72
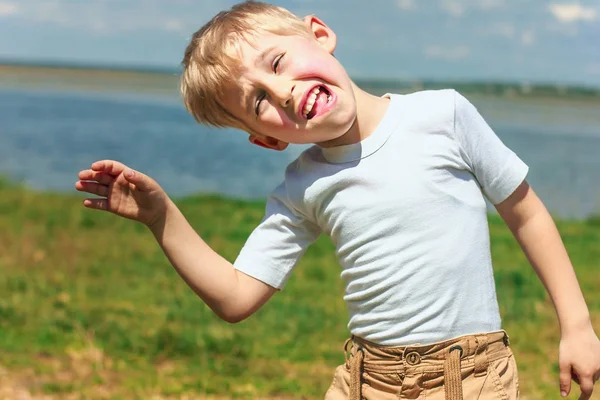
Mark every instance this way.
x=370 y=110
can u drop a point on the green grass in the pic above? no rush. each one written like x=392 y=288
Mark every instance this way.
x=89 y=305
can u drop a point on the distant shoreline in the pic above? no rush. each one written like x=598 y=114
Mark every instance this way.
x=514 y=89
x=89 y=67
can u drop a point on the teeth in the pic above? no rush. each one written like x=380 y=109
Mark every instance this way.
x=310 y=101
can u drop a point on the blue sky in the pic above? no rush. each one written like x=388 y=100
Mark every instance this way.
x=511 y=40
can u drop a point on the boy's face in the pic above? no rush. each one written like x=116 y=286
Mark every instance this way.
x=292 y=90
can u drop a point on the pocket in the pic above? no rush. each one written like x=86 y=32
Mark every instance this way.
x=503 y=379
x=339 y=388
x=516 y=375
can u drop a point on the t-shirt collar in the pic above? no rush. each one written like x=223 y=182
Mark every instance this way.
x=370 y=144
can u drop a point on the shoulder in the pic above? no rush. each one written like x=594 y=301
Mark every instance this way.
x=440 y=100
x=306 y=163
x=441 y=106
x=298 y=177
x=440 y=97
x=428 y=109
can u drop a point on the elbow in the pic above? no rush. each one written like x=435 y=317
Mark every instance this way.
x=236 y=305
x=232 y=315
x=233 y=319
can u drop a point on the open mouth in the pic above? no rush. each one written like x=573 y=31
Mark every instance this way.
x=318 y=97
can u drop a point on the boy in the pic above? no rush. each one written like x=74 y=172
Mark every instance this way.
x=397 y=182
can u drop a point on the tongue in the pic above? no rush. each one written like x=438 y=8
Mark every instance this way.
x=319 y=102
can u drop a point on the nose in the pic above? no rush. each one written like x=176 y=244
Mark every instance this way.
x=283 y=93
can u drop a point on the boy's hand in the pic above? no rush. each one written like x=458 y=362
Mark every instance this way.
x=123 y=191
x=579 y=359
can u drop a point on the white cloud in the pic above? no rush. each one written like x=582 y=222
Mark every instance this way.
x=448 y=53
x=112 y=17
x=454 y=8
x=572 y=12
x=174 y=25
x=406 y=4
x=8 y=9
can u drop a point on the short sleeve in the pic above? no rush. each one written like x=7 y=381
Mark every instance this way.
x=497 y=168
x=275 y=246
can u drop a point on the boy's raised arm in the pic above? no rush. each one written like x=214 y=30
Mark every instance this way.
x=534 y=229
x=231 y=294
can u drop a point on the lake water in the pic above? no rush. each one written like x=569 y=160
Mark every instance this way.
x=50 y=129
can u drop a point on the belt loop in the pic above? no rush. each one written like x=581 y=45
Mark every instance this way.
x=356 y=366
x=346 y=356
x=481 y=357
x=452 y=374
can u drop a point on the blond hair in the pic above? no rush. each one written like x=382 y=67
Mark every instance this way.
x=210 y=61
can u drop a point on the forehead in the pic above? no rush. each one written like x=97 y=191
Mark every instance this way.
x=249 y=48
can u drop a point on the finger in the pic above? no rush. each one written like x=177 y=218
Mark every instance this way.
x=142 y=182
x=92 y=188
x=587 y=387
x=565 y=379
x=110 y=167
x=100 y=177
x=96 y=204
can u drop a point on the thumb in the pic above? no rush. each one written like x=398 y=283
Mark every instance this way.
x=565 y=379
x=142 y=182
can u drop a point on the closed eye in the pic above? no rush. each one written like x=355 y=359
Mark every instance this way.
x=261 y=97
x=259 y=100
x=277 y=61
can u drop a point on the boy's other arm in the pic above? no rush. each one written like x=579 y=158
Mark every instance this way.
x=534 y=229
x=231 y=294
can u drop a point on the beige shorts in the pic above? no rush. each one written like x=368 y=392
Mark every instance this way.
x=468 y=367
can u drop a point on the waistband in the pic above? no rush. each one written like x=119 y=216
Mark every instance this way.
x=449 y=356
x=384 y=358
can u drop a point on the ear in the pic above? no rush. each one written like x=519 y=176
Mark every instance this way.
x=321 y=32
x=268 y=143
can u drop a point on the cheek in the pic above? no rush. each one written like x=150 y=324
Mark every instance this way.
x=286 y=122
x=308 y=66
x=277 y=117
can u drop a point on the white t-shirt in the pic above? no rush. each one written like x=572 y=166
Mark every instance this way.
x=405 y=210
